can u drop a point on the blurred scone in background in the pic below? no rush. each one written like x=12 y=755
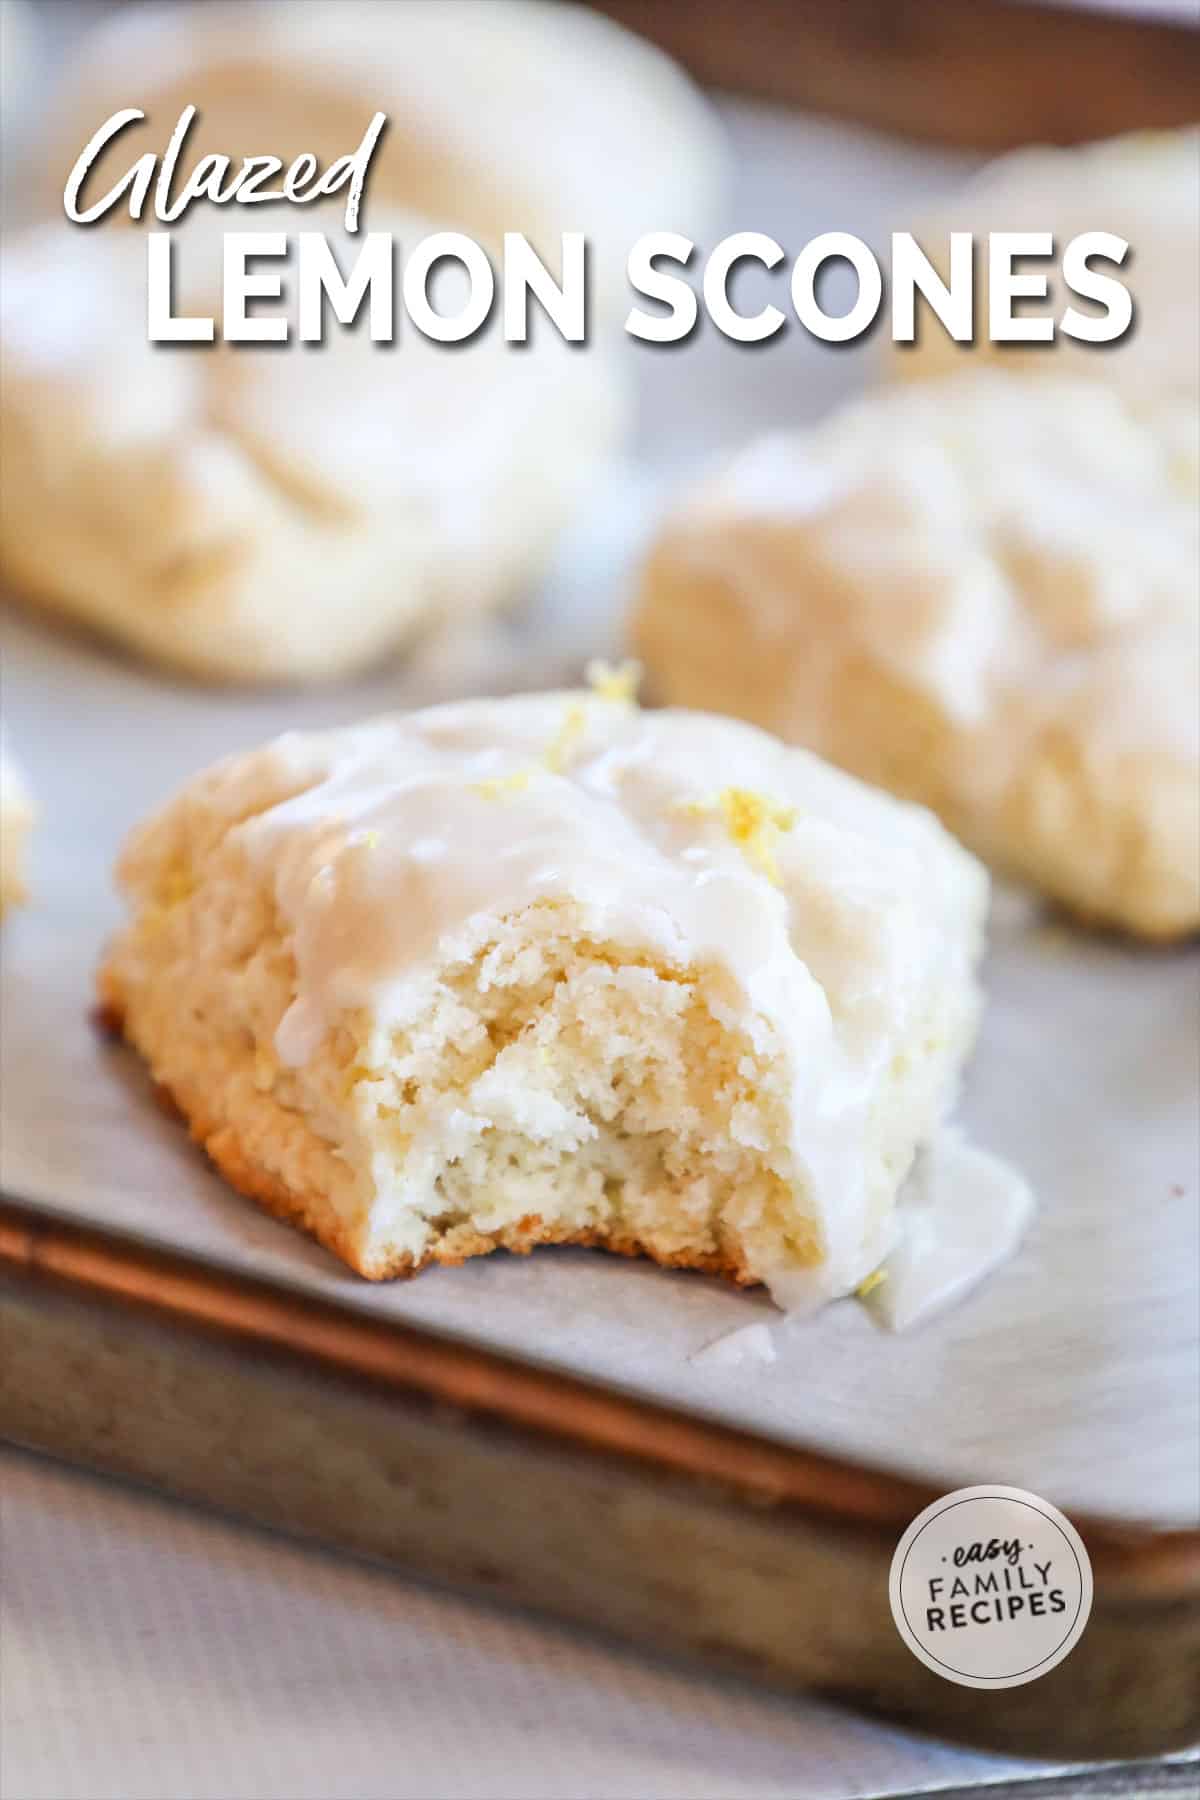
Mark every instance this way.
x=245 y=515
x=984 y=591
x=16 y=820
x=242 y=515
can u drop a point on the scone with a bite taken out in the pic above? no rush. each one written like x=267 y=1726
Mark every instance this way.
x=553 y=969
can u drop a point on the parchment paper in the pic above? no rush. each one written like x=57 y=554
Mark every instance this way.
x=1073 y=1372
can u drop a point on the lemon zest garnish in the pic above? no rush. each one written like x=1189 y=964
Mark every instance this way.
x=875 y=1279
x=559 y=753
x=369 y=840
x=497 y=786
x=619 y=684
x=753 y=821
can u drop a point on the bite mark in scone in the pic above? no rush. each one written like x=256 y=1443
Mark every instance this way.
x=983 y=594
x=424 y=1017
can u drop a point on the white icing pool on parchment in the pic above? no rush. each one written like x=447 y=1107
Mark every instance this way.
x=961 y=1213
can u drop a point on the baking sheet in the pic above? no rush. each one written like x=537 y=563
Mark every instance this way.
x=1073 y=1372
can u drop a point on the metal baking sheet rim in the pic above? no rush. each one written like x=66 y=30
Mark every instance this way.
x=657 y=1527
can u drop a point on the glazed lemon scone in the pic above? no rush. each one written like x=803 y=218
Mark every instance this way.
x=554 y=969
x=16 y=822
x=512 y=116
x=273 y=512
x=982 y=594
x=1144 y=187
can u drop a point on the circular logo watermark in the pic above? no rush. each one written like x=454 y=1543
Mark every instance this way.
x=991 y=1587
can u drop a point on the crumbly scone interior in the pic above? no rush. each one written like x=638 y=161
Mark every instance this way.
x=550 y=1086
x=553 y=1089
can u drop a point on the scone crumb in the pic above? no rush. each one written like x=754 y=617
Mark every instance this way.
x=754 y=821
x=619 y=684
